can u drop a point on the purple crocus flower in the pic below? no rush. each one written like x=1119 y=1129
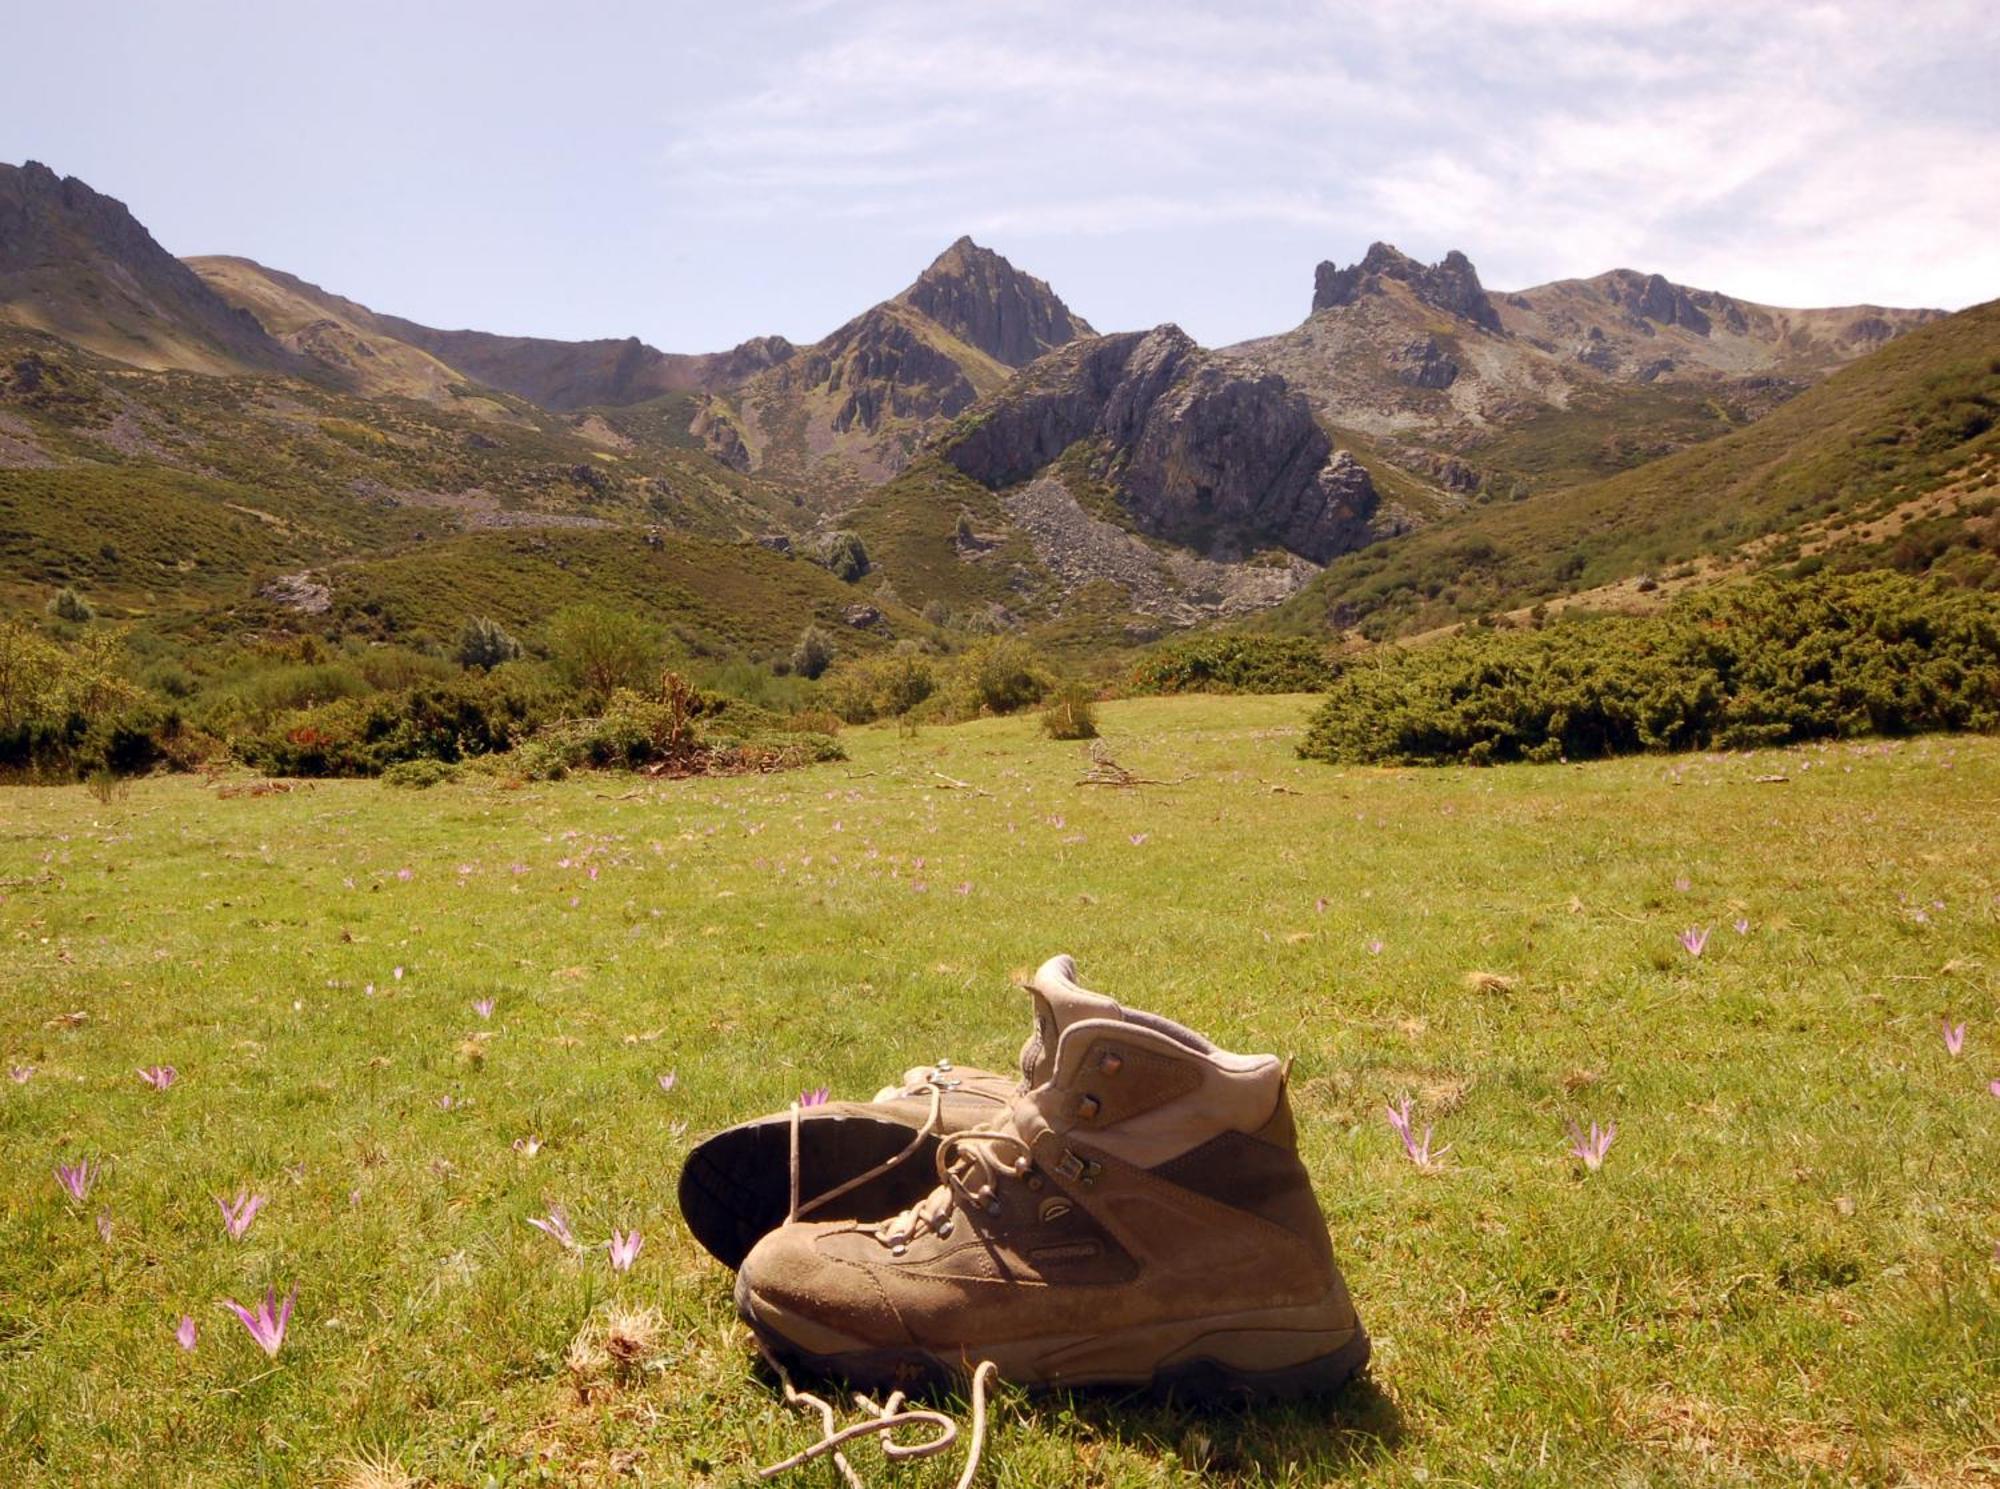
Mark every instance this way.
x=159 y=1077
x=185 y=1333
x=1741 y=926
x=1139 y=839
x=20 y=1075
x=484 y=1008
x=817 y=1096
x=1375 y=946
x=1591 y=1147
x=1693 y=941
x=77 y=1178
x=236 y=1218
x=1954 y=1037
x=624 y=1249
x=556 y=1226
x=668 y=1080
x=1419 y=1150
x=1994 y=1087
x=104 y=1226
x=267 y=1323
x=527 y=1146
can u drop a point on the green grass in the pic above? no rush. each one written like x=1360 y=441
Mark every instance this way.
x=1784 y=1272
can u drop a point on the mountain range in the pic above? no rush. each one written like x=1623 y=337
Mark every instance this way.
x=1004 y=462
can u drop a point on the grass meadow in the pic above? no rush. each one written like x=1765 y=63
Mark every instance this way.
x=1786 y=1271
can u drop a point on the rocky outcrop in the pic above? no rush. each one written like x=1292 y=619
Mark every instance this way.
x=986 y=302
x=1451 y=285
x=717 y=431
x=1652 y=297
x=1199 y=451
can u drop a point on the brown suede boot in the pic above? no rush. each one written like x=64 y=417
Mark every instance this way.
x=854 y=1158
x=1138 y=1215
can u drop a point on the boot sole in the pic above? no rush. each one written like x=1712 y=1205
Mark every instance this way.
x=736 y=1186
x=1274 y=1354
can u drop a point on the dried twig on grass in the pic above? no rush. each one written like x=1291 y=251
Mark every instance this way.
x=953 y=783
x=1104 y=771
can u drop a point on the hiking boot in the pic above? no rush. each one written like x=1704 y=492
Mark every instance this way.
x=1138 y=1215
x=856 y=1159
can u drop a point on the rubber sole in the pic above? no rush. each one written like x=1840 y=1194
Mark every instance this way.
x=1265 y=1355
x=736 y=1186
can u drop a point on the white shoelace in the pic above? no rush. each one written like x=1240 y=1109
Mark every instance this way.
x=883 y=1421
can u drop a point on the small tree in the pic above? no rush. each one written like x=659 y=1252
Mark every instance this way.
x=71 y=606
x=844 y=555
x=598 y=650
x=963 y=534
x=483 y=642
x=813 y=654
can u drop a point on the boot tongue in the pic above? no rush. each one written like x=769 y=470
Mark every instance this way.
x=1059 y=1002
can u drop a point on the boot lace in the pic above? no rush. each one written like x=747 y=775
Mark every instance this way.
x=970 y=1166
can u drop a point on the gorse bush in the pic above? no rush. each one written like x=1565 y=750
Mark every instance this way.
x=844 y=556
x=1234 y=664
x=1768 y=663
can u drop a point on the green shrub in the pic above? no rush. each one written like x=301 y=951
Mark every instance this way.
x=1001 y=675
x=1768 y=663
x=814 y=653
x=598 y=650
x=1234 y=664
x=473 y=715
x=419 y=775
x=483 y=642
x=1071 y=713
x=844 y=556
x=70 y=606
x=886 y=686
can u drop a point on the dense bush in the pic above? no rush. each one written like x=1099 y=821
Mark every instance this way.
x=66 y=709
x=814 y=653
x=1234 y=664
x=844 y=555
x=598 y=650
x=472 y=715
x=885 y=686
x=485 y=643
x=1767 y=663
x=1071 y=713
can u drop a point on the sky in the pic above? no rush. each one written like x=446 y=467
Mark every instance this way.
x=695 y=174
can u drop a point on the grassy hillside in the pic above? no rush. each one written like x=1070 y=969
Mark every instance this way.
x=1919 y=417
x=1783 y=1272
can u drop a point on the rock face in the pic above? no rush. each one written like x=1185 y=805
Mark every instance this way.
x=1451 y=285
x=77 y=264
x=1199 y=451
x=848 y=411
x=986 y=302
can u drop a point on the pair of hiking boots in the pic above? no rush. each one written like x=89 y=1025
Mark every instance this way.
x=1131 y=1211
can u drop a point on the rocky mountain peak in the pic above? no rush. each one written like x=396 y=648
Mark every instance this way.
x=78 y=263
x=983 y=300
x=1451 y=285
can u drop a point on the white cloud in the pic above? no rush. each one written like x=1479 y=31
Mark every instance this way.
x=1800 y=152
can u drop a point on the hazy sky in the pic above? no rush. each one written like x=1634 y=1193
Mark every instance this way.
x=698 y=173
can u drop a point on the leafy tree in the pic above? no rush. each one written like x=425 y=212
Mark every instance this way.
x=598 y=650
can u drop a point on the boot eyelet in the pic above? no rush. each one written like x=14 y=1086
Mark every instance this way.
x=898 y=1249
x=1087 y=1107
x=1110 y=1063
x=993 y=1207
x=944 y=1231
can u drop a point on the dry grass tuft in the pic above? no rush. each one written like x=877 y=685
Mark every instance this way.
x=375 y=1468
x=1490 y=982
